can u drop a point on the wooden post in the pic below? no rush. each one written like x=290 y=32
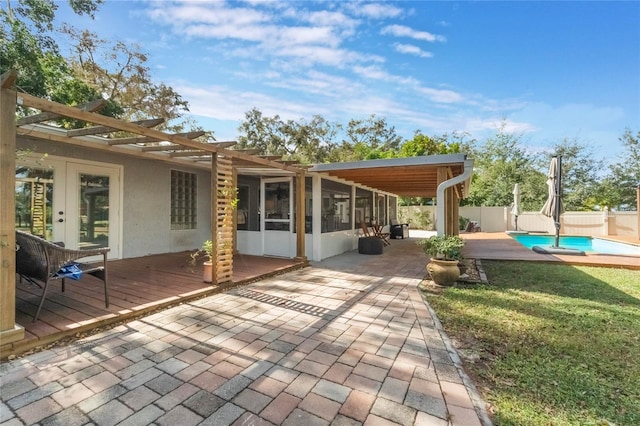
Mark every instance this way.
x=234 y=181
x=224 y=193
x=301 y=213
x=9 y=330
x=214 y=216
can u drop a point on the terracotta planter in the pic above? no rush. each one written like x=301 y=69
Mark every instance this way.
x=207 y=276
x=443 y=272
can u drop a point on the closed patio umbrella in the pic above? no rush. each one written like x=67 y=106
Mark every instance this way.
x=553 y=206
x=515 y=209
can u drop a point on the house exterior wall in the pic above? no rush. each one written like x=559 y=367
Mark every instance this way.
x=145 y=211
x=146 y=202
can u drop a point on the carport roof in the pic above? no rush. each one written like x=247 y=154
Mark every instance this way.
x=409 y=177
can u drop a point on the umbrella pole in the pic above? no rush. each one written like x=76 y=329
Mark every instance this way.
x=556 y=215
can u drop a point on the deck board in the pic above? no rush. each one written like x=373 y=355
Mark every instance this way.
x=136 y=286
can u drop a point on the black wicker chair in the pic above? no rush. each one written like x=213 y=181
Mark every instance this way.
x=39 y=259
x=399 y=230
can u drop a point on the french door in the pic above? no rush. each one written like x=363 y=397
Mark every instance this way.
x=277 y=221
x=67 y=201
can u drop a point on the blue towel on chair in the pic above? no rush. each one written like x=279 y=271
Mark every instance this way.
x=71 y=270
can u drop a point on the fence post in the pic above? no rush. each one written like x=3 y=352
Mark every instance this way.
x=506 y=216
x=605 y=221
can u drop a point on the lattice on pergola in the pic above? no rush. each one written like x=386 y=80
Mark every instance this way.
x=224 y=201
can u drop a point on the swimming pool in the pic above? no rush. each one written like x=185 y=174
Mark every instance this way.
x=586 y=244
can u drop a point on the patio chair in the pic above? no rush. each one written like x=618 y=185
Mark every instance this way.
x=365 y=230
x=400 y=230
x=42 y=260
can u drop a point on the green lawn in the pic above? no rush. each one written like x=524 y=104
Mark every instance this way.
x=550 y=344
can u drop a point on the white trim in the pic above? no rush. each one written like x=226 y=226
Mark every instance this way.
x=277 y=243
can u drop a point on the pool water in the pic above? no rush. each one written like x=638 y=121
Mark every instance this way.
x=586 y=244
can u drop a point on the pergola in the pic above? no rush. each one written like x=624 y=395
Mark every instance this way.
x=445 y=177
x=102 y=133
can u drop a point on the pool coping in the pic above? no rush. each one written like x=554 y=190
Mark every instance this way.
x=500 y=246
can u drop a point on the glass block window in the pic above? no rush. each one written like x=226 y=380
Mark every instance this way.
x=184 y=194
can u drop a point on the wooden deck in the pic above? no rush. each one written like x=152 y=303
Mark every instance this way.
x=136 y=286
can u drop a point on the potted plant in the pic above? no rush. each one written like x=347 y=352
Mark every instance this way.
x=205 y=251
x=444 y=252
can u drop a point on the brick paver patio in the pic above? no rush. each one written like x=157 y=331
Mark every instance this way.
x=347 y=341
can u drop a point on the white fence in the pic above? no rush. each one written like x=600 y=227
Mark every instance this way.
x=497 y=219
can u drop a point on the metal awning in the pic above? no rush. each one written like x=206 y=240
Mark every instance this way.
x=409 y=177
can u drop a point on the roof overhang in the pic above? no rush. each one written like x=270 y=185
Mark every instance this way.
x=409 y=177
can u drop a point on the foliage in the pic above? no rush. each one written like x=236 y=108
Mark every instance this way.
x=370 y=139
x=418 y=219
x=205 y=251
x=422 y=144
x=120 y=72
x=579 y=174
x=619 y=188
x=500 y=163
x=463 y=222
x=26 y=39
x=550 y=344
x=306 y=142
x=445 y=247
x=62 y=87
x=117 y=72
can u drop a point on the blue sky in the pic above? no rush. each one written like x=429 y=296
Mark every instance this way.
x=551 y=70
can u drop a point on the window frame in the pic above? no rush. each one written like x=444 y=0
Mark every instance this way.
x=183 y=200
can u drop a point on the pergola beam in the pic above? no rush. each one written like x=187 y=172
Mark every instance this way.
x=47 y=116
x=97 y=130
x=165 y=147
x=28 y=133
x=190 y=154
x=42 y=104
x=147 y=139
x=252 y=151
x=174 y=147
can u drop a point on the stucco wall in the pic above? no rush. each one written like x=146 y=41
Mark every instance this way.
x=145 y=210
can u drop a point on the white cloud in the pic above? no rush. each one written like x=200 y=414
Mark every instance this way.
x=478 y=125
x=434 y=95
x=224 y=103
x=332 y=19
x=404 y=31
x=321 y=85
x=441 y=96
x=412 y=50
x=376 y=73
x=308 y=38
x=375 y=10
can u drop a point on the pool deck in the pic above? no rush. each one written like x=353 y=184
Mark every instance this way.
x=500 y=246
